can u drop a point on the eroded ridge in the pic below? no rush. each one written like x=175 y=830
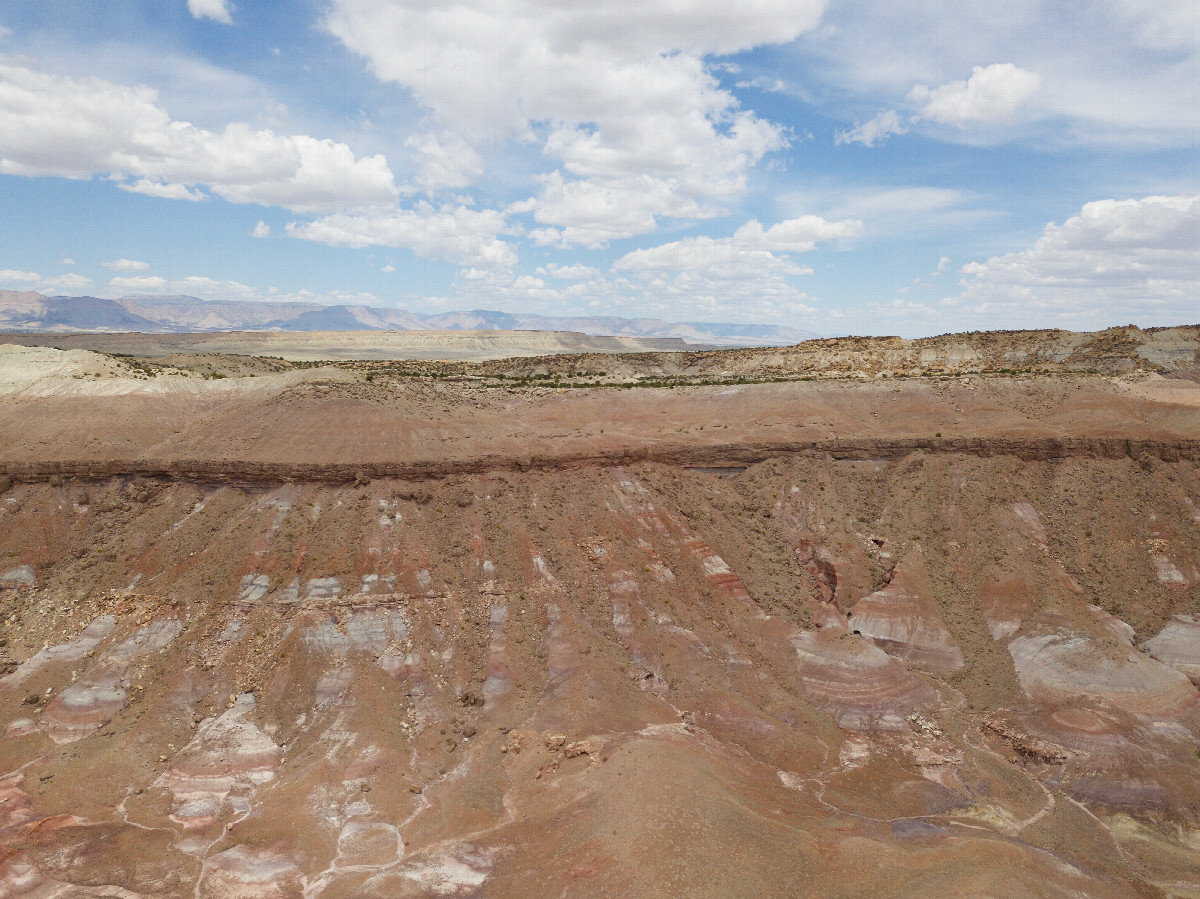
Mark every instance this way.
x=251 y=473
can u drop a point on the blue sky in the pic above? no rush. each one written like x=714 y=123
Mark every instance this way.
x=842 y=166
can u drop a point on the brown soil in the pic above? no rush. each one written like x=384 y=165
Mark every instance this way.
x=309 y=634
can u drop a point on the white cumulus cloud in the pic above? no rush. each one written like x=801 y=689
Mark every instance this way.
x=1114 y=262
x=593 y=212
x=717 y=257
x=750 y=246
x=1120 y=72
x=262 y=229
x=153 y=188
x=612 y=92
x=715 y=293
x=126 y=265
x=991 y=94
x=443 y=160
x=210 y=288
x=34 y=281
x=763 y=83
x=77 y=128
x=798 y=235
x=876 y=131
x=69 y=281
x=138 y=283
x=495 y=66
x=750 y=266
x=217 y=10
x=454 y=233
x=576 y=272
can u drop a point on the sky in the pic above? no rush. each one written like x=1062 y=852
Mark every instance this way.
x=842 y=166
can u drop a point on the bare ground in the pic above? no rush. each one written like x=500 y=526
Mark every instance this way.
x=364 y=630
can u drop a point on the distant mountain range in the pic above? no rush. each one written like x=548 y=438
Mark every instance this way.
x=30 y=311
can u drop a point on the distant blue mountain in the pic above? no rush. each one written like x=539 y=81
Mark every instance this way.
x=174 y=314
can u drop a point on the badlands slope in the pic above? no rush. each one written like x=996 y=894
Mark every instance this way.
x=776 y=625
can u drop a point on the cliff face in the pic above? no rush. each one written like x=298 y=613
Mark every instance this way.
x=249 y=473
x=351 y=632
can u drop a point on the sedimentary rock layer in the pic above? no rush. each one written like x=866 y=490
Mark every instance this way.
x=1031 y=449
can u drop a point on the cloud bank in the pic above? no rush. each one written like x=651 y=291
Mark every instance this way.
x=81 y=127
x=1114 y=261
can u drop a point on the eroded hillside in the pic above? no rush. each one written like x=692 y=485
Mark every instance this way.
x=308 y=634
x=624 y=679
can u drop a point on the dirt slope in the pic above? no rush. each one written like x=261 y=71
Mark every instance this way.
x=308 y=634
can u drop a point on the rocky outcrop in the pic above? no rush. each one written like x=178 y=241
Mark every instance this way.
x=21 y=576
x=900 y=619
x=1178 y=645
x=228 y=759
x=1030 y=449
x=1057 y=667
x=859 y=684
x=90 y=702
